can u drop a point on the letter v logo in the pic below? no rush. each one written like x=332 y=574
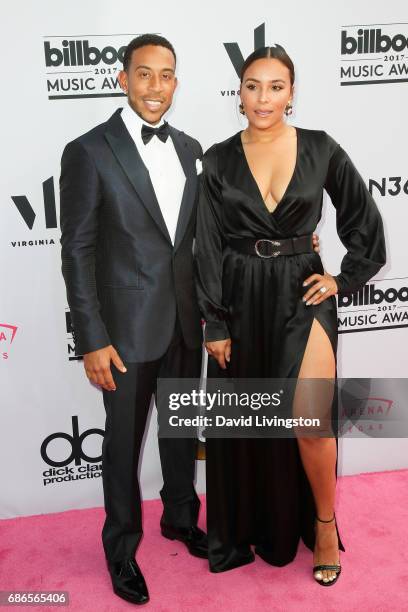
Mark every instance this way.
x=27 y=212
x=234 y=52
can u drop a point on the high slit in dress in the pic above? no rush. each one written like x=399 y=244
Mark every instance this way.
x=257 y=489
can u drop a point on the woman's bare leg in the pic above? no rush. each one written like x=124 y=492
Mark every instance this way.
x=319 y=453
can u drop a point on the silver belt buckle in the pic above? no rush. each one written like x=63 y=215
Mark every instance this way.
x=273 y=242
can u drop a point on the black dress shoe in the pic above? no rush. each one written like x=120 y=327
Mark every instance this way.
x=128 y=582
x=193 y=537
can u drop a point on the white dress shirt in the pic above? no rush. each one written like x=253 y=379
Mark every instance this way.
x=162 y=162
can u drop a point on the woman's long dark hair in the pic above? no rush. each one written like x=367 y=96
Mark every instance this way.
x=277 y=52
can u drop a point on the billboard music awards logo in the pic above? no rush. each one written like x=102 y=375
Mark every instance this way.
x=237 y=59
x=29 y=216
x=7 y=335
x=84 y=66
x=374 y=54
x=68 y=460
x=70 y=338
x=381 y=304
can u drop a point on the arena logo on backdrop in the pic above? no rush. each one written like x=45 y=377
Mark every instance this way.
x=363 y=413
x=381 y=304
x=84 y=66
x=237 y=59
x=70 y=462
x=70 y=338
x=29 y=220
x=7 y=335
x=374 y=53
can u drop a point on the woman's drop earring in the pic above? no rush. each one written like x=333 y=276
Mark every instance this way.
x=241 y=109
x=288 y=108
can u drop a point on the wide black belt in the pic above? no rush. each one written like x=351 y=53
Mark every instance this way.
x=265 y=247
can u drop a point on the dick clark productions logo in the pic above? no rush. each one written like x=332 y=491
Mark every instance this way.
x=7 y=335
x=85 y=466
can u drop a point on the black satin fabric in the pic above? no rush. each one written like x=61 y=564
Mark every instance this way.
x=257 y=490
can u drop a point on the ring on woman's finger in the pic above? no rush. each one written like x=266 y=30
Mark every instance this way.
x=323 y=289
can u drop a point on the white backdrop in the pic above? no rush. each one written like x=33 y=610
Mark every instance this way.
x=43 y=392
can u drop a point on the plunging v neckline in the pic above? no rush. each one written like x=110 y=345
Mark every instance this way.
x=271 y=212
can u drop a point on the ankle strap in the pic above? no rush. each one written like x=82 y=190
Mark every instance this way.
x=329 y=521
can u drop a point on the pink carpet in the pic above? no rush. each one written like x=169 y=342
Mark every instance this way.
x=63 y=552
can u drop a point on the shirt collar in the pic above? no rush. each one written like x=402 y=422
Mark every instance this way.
x=136 y=121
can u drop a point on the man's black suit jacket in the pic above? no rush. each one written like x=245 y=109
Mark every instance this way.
x=124 y=278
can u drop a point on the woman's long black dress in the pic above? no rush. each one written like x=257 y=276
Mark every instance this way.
x=257 y=490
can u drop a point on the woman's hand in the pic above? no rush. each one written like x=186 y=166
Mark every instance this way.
x=221 y=350
x=324 y=286
x=316 y=243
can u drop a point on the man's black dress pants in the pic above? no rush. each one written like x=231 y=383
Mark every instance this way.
x=127 y=409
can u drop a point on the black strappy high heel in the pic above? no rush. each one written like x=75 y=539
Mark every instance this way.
x=335 y=568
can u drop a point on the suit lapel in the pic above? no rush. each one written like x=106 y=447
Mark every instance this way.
x=187 y=161
x=128 y=157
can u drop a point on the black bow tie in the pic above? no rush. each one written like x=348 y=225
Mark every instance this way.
x=161 y=132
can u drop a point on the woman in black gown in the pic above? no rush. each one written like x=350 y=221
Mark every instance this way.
x=266 y=183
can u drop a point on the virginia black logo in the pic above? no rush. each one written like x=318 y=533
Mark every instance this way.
x=237 y=59
x=382 y=304
x=235 y=54
x=28 y=214
x=372 y=54
x=94 y=62
x=27 y=211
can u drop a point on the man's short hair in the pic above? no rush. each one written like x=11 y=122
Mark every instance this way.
x=143 y=41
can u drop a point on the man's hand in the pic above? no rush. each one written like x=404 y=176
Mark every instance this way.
x=98 y=367
x=316 y=246
x=221 y=350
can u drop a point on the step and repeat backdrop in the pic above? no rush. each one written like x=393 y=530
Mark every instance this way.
x=60 y=65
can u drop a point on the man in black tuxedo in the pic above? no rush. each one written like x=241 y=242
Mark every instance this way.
x=128 y=199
